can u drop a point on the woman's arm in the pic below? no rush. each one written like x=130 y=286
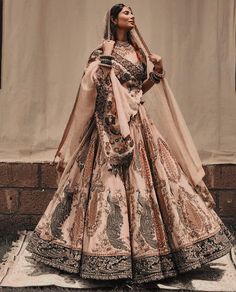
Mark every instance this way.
x=158 y=67
x=106 y=58
x=154 y=78
x=147 y=84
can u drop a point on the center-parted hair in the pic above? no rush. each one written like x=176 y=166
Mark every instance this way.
x=114 y=12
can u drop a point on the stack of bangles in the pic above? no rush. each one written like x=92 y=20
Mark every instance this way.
x=155 y=77
x=106 y=61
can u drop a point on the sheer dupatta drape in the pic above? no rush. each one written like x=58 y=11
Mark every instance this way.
x=160 y=98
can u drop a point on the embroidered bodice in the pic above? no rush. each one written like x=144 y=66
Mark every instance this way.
x=128 y=69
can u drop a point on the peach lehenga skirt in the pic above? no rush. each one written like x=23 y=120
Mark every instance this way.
x=145 y=223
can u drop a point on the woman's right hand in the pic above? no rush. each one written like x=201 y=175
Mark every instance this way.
x=108 y=46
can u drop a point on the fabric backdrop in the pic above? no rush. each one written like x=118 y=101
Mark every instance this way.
x=46 y=44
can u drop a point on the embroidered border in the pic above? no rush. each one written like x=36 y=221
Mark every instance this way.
x=144 y=269
x=136 y=70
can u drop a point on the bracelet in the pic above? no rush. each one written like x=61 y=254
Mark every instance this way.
x=110 y=57
x=105 y=65
x=106 y=61
x=153 y=77
x=160 y=75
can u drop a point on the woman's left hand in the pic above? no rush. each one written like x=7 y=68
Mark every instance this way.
x=157 y=62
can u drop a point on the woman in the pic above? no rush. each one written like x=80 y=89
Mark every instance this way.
x=127 y=205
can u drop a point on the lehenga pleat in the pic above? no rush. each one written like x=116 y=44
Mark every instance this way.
x=145 y=223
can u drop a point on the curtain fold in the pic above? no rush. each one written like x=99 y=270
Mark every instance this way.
x=46 y=45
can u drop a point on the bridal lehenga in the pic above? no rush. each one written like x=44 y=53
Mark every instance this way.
x=136 y=216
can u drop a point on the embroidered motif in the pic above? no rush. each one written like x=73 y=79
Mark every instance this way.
x=161 y=237
x=144 y=269
x=168 y=160
x=136 y=70
x=76 y=231
x=123 y=48
x=61 y=212
x=114 y=224
x=87 y=152
x=121 y=73
x=117 y=149
x=106 y=267
x=53 y=254
x=188 y=258
x=146 y=223
x=190 y=208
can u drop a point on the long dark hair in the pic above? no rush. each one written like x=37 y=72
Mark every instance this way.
x=114 y=11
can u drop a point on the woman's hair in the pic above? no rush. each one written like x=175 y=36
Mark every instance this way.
x=114 y=11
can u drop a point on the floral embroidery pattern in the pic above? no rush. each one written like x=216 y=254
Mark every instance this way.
x=119 y=150
x=144 y=269
x=127 y=210
x=171 y=166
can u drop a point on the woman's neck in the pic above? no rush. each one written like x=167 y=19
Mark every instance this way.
x=121 y=35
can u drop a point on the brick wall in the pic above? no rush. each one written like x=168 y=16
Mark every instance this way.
x=27 y=188
x=25 y=191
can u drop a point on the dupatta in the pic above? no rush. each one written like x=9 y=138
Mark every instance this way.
x=159 y=102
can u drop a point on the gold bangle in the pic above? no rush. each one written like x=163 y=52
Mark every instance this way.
x=160 y=75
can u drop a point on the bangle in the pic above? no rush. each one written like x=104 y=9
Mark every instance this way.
x=110 y=57
x=153 y=77
x=106 y=61
x=105 y=65
x=161 y=75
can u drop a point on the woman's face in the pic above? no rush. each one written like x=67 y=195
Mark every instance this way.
x=125 y=19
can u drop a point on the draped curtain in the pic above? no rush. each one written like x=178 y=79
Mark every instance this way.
x=45 y=47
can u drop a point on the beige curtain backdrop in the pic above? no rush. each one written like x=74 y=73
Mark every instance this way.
x=46 y=44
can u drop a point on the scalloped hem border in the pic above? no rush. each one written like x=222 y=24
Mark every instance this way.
x=159 y=275
x=128 y=276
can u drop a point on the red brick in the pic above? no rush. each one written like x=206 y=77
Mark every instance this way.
x=49 y=176
x=9 y=201
x=228 y=176
x=220 y=176
x=34 y=201
x=227 y=203
x=18 y=174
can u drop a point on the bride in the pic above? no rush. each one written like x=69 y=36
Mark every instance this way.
x=130 y=202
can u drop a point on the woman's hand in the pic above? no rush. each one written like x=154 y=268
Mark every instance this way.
x=157 y=62
x=108 y=46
